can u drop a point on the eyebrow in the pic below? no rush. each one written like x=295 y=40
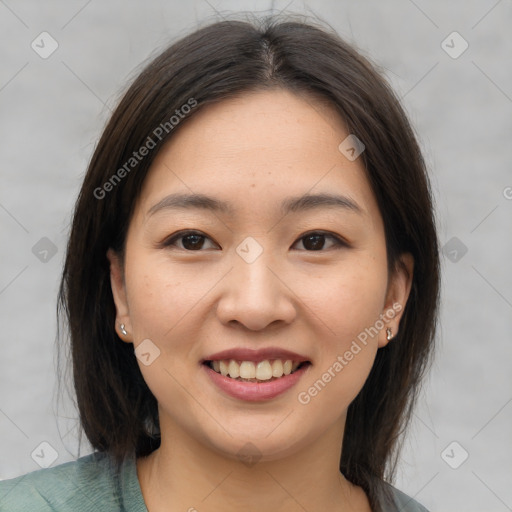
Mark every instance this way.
x=289 y=205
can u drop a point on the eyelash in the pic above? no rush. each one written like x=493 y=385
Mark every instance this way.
x=169 y=242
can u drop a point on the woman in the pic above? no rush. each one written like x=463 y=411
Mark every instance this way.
x=251 y=284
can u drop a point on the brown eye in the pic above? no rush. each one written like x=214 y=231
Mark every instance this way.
x=191 y=240
x=315 y=241
x=195 y=241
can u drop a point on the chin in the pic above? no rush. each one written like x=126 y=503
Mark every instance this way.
x=264 y=444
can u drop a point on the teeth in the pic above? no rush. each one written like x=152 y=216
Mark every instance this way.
x=277 y=368
x=246 y=370
x=223 y=368
x=234 y=369
x=263 y=370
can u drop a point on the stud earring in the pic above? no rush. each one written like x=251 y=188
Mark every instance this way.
x=389 y=334
x=123 y=330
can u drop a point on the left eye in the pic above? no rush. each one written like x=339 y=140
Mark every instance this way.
x=316 y=240
x=194 y=240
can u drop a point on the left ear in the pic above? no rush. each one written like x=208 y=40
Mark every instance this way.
x=399 y=287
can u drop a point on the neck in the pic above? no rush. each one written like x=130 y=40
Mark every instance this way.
x=187 y=475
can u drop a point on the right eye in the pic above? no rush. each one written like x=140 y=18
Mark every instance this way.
x=191 y=240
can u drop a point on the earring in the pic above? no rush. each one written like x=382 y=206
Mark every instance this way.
x=389 y=334
x=123 y=330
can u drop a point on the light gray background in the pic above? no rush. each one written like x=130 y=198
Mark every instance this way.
x=53 y=111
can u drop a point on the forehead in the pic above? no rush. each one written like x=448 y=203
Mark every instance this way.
x=256 y=149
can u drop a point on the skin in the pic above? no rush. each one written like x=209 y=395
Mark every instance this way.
x=254 y=151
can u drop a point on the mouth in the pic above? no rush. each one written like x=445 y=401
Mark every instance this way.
x=268 y=370
x=254 y=381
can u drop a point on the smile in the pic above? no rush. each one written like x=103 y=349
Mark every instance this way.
x=255 y=381
x=250 y=371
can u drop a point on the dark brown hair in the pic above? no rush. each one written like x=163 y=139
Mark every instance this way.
x=118 y=412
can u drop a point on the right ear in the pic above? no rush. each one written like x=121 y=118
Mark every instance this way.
x=119 y=293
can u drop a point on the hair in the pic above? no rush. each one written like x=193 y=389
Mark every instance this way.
x=117 y=411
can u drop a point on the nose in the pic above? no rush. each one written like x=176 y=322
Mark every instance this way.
x=256 y=295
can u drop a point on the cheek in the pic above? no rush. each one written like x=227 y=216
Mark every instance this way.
x=167 y=306
x=159 y=298
x=350 y=306
x=347 y=300
x=160 y=304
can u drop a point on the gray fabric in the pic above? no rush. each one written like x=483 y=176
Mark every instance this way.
x=89 y=484
x=92 y=484
x=404 y=503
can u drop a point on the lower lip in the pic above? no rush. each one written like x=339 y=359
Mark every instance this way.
x=255 y=391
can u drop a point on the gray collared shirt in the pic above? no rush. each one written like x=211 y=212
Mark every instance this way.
x=91 y=484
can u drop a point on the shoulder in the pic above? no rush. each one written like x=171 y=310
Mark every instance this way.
x=403 y=503
x=86 y=484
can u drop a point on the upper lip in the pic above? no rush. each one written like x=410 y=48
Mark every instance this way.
x=247 y=354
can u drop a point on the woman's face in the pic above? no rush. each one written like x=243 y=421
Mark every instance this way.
x=274 y=268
